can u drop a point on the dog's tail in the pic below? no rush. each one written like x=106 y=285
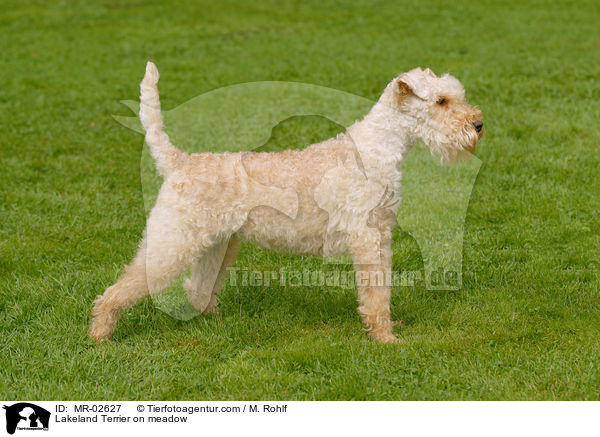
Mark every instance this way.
x=164 y=153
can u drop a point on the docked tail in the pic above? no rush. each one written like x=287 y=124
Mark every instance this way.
x=164 y=153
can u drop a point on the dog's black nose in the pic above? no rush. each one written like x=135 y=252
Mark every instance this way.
x=478 y=125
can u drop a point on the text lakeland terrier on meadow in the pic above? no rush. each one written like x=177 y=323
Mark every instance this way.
x=209 y=202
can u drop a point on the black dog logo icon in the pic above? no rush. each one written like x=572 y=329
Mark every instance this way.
x=28 y=416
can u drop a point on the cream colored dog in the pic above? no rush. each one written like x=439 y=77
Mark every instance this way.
x=341 y=195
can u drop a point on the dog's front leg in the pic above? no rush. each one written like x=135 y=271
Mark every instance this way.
x=372 y=252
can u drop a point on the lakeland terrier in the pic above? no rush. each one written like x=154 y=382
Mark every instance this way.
x=210 y=202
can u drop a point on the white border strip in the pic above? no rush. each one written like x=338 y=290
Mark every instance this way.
x=313 y=418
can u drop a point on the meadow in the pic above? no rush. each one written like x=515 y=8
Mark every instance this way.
x=525 y=324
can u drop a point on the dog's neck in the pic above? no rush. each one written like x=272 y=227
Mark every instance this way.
x=383 y=140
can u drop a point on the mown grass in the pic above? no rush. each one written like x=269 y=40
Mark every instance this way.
x=526 y=323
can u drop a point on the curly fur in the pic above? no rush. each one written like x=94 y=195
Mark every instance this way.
x=336 y=197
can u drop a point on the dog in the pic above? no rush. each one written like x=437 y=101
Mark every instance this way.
x=344 y=193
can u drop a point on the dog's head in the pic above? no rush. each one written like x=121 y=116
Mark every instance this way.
x=437 y=113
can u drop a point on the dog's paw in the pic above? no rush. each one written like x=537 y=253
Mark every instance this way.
x=211 y=309
x=385 y=337
x=99 y=333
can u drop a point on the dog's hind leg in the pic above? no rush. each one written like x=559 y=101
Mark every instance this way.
x=131 y=287
x=208 y=272
x=230 y=257
x=168 y=248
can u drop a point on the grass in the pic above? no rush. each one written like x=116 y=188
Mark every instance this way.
x=526 y=323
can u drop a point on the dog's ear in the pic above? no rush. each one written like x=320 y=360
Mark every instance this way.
x=413 y=82
x=429 y=73
x=403 y=88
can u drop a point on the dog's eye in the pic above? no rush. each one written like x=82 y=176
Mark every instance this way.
x=442 y=101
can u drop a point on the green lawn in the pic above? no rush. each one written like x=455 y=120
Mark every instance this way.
x=525 y=325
